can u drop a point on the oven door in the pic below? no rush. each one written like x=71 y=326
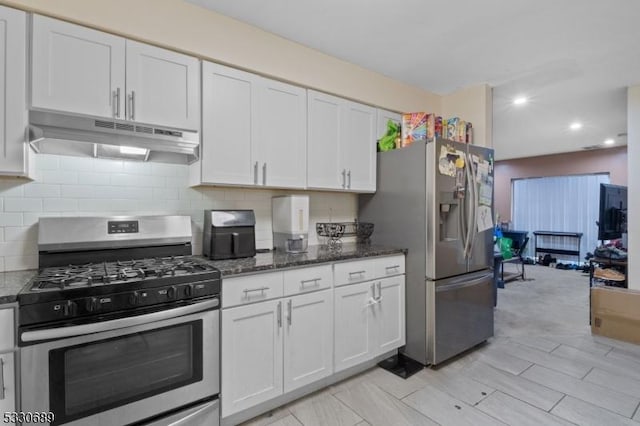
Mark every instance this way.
x=138 y=367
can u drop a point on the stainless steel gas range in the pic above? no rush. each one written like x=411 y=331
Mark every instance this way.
x=121 y=324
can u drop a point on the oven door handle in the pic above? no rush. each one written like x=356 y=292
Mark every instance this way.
x=98 y=327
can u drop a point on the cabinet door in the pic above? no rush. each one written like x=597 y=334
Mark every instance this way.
x=352 y=307
x=228 y=111
x=251 y=355
x=76 y=69
x=282 y=134
x=13 y=109
x=388 y=324
x=324 y=144
x=359 y=147
x=163 y=87
x=7 y=327
x=7 y=383
x=308 y=340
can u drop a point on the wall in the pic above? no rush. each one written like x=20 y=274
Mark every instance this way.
x=611 y=160
x=74 y=186
x=472 y=104
x=194 y=30
x=633 y=202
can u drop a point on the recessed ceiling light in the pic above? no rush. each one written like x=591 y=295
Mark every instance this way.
x=609 y=142
x=575 y=126
x=520 y=100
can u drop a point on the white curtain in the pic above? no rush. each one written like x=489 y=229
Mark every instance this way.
x=559 y=204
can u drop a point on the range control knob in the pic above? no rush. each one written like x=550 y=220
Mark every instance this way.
x=188 y=290
x=92 y=304
x=134 y=298
x=69 y=309
x=171 y=292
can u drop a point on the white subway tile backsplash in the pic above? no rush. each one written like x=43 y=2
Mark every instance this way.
x=16 y=263
x=59 y=176
x=166 y=194
x=108 y=166
x=92 y=178
x=48 y=162
x=106 y=205
x=12 y=188
x=136 y=168
x=80 y=191
x=123 y=179
x=60 y=205
x=23 y=205
x=21 y=233
x=76 y=164
x=159 y=169
x=42 y=190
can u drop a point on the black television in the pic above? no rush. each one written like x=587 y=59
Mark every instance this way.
x=612 y=218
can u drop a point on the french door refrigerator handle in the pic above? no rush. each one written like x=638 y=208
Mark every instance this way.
x=468 y=210
x=476 y=200
x=2 y=396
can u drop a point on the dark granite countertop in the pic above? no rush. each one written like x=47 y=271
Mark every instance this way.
x=12 y=282
x=273 y=260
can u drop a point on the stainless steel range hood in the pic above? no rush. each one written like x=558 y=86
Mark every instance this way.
x=58 y=132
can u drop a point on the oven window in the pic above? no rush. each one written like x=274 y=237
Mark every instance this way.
x=94 y=377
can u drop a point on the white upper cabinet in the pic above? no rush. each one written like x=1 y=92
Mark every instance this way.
x=14 y=152
x=85 y=71
x=77 y=69
x=341 y=153
x=253 y=130
x=281 y=138
x=163 y=87
x=359 y=147
x=228 y=111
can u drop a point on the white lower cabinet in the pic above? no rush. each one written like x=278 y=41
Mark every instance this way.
x=388 y=324
x=273 y=347
x=7 y=383
x=352 y=323
x=251 y=355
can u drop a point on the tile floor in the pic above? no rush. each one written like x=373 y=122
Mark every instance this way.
x=543 y=367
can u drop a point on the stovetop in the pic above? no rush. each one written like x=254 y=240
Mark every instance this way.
x=118 y=272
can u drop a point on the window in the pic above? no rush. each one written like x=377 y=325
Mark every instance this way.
x=561 y=204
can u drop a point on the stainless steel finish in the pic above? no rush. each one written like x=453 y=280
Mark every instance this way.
x=290 y=309
x=264 y=174
x=436 y=246
x=35 y=365
x=132 y=99
x=349 y=179
x=207 y=414
x=356 y=273
x=79 y=233
x=255 y=173
x=279 y=313
x=63 y=129
x=232 y=217
x=344 y=178
x=2 y=395
x=463 y=313
x=85 y=329
x=246 y=291
x=315 y=281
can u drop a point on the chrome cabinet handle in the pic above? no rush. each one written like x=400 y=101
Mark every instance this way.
x=388 y=268
x=2 y=396
x=315 y=281
x=290 y=311
x=251 y=290
x=356 y=273
x=344 y=179
x=116 y=101
x=379 y=286
x=132 y=107
x=255 y=173
x=264 y=174
x=349 y=179
x=279 y=314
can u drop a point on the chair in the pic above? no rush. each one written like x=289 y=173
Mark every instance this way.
x=519 y=245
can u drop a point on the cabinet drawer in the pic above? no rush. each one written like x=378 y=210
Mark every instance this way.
x=389 y=266
x=304 y=280
x=251 y=288
x=6 y=330
x=354 y=271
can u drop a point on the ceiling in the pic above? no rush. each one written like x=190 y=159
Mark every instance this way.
x=572 y=59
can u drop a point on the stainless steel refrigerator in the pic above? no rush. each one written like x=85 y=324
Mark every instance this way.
x=436 y=199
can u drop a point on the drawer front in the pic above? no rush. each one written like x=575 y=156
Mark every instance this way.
x=251 y=288
x=304 y=280
x=6 y=330
x=354 y=271
x=389 y=266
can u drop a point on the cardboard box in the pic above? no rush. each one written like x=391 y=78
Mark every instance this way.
x=615 y=313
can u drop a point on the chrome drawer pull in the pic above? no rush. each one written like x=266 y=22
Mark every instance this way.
x=279 y=314
x=392 y=267
x=357 y=273
x=290 y=311
x=251 y=290
x=315 y=281
x=2 y=395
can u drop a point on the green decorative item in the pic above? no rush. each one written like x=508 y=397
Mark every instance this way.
x=388 y=141
x=505 y=245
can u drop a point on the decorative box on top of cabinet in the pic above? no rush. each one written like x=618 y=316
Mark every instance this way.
x=15 y=155
x=341 y=140
x=85 y=71
x=253 y=131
